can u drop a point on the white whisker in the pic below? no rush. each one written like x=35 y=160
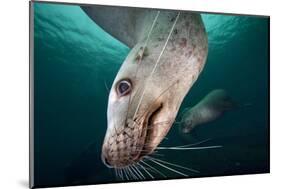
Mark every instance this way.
x=191 y=148
x=126 y=173
x=176 y=165
x=139 y=171
x=129 y=172
x=188 y=145
x=132 y=173
x=147 y=172
x=119 y=174
x=115 y=172
x=169 y=168
x=122 y=174
x=134 y=170
x=156 y=170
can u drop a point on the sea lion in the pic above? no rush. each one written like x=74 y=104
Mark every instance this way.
x=169 y=50
x=209 y=109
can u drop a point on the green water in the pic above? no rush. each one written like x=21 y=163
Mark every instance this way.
x=73 y=58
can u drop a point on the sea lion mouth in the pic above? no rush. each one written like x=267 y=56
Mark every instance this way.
x=124 y=148
x=148 y=132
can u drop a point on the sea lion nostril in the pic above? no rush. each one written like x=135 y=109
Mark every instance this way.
x=105 y=161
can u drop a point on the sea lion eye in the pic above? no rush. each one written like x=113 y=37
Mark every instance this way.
x=124 y=87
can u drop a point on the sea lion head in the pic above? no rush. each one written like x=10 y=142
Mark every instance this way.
x=187 y=123
x=149 y=88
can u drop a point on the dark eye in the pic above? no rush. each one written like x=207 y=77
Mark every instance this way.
x=124 y=87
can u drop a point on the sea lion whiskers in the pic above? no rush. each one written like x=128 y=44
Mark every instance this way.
x=153 y=168
x=138 y=177
x=189 y=148
x=120 y=173
x=145 y=170
x=126 y=173
x=138 y=171
x=184 y=147
x=165 y=166
x=132 y=173
x=134 y=170
x=176 y=165
x=193 y=144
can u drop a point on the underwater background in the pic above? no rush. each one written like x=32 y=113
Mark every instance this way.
x=74 y=58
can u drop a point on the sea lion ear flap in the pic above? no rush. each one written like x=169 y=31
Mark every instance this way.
x=121 y=22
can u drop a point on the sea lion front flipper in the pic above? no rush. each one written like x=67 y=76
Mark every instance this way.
x=122 y=23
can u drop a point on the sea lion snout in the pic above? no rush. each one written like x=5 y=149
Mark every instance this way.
x=129 y=143
x=186 y=126
x=120 y=146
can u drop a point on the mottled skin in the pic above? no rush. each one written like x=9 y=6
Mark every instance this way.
x=210 y=108
x=132 y=131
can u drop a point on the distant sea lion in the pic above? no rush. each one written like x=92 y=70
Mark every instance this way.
x=210 y=108
x=169 y=50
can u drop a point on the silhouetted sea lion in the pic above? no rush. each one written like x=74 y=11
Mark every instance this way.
x=210 y=108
